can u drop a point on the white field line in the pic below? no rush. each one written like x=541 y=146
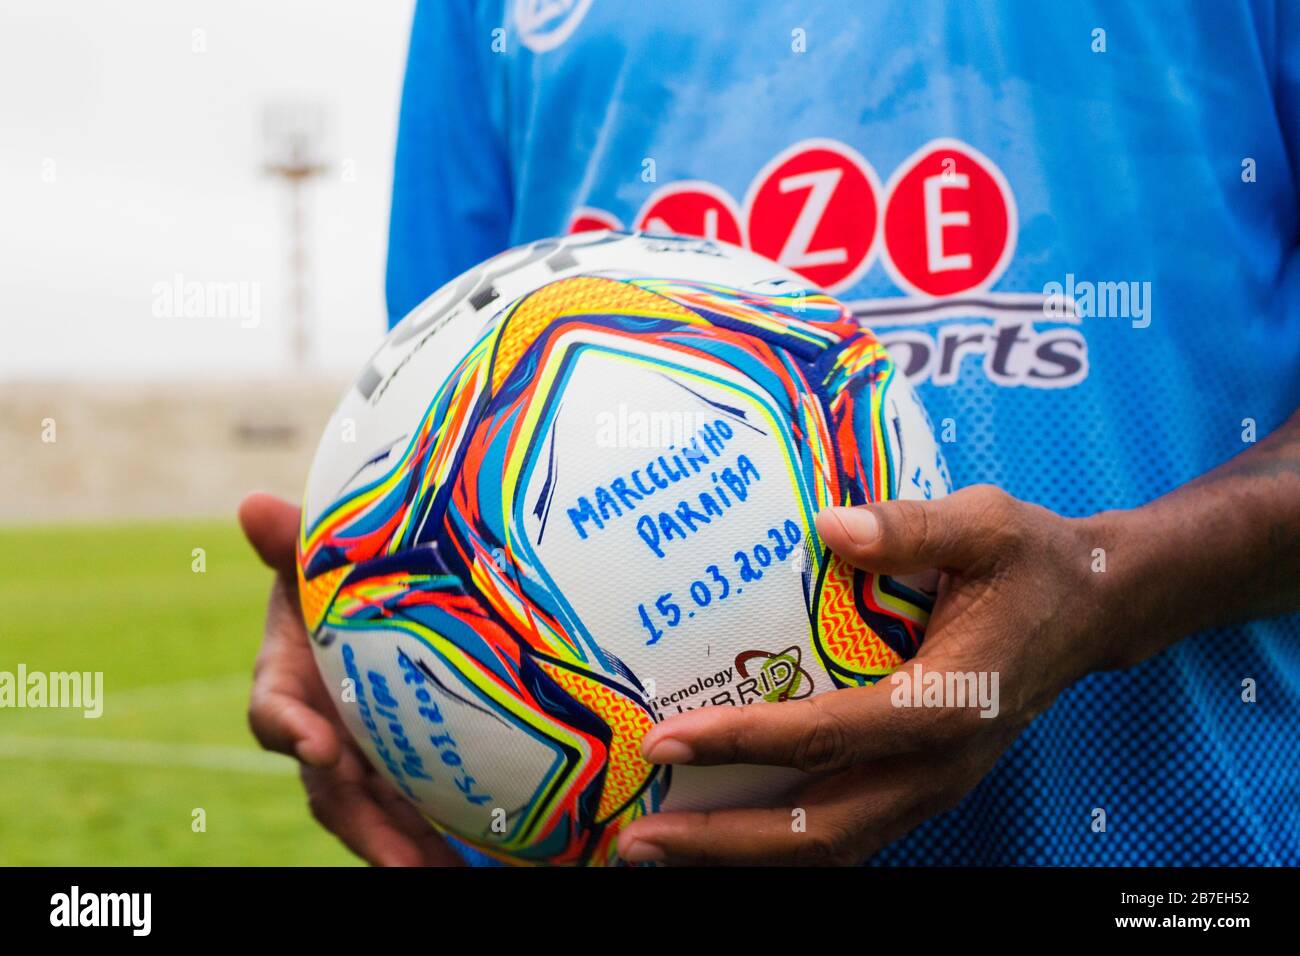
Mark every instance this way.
x=145 y=753
x=142 y=752
x=155 y=695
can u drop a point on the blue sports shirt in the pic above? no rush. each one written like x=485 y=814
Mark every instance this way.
x=1073 y=224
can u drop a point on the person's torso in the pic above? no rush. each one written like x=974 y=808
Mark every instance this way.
x=1075 y=227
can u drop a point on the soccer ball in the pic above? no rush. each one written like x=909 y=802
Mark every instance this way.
x=572 y=495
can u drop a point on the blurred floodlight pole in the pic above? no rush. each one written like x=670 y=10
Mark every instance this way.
x=294 y=134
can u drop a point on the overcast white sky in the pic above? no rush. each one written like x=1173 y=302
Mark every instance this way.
x=128 y=156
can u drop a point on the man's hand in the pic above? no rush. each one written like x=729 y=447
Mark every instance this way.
x=290 y=712
x=1015 y=600
x=1035 y=598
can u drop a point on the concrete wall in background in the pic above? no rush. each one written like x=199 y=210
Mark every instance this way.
x=157 y=450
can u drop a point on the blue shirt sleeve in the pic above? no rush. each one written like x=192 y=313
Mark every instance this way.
x=1288 y=94
x=1288 y=111
x=452 y=201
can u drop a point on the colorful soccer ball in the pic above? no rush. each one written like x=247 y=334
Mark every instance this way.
x=572 y=495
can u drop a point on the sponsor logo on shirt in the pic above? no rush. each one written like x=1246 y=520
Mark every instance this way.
x=943 y=227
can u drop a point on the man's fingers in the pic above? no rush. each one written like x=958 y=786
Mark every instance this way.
x=340 y=803
x=838 y=820
x=287 y=714
x=821 y=836
x=904 y=537
x=825 y=733
x=271 y=526
x=288 y=709
x=434 y=849
x=286 y=724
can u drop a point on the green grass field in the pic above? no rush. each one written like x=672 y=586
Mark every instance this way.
x=176 y=648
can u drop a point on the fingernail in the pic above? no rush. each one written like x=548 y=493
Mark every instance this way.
x=669 y=750
x=860 y=525
x=642 y=852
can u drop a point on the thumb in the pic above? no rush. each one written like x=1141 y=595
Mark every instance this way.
x=904 y=537
x=271 y=526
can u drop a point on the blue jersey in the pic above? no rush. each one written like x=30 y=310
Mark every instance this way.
x=1074 y=225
